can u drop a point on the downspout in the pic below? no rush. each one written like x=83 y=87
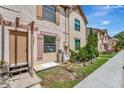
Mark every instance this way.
x=2 y=39
x=66 y=34
x=68 y=28
x=65 y=25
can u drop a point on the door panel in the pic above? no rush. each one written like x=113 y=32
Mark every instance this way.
x=12 y=48
x=18 y=47
x=21 y=47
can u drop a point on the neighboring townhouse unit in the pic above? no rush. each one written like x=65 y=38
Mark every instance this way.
x=33 y=35
x=111 y=44
x=102 y=38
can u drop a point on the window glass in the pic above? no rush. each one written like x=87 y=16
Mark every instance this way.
x=49 y=13
x=77 y=44
x=77 y=24
x=49 y=44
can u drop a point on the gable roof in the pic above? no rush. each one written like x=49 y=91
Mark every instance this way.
x=80 y=10
x=97 y=29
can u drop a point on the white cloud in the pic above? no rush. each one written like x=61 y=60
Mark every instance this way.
x=112 y=7
x=105 y=23
x=106 y=7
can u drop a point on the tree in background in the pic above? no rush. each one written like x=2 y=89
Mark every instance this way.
x=91 y=45
x=120 y=40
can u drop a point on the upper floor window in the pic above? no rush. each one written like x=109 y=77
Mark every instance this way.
x=49 y=13
x=77 y=24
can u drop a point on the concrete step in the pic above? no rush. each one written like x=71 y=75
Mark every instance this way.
x=18 y=70
x=45 y=66
x=24 y=80
x=18 y=65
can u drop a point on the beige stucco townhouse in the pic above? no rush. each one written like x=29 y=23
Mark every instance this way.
x=77 y=28
x=32 y=35
x=111 y=44
x=102 y=38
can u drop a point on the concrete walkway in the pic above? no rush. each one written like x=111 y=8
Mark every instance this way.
x=23 y=80
x=108 y=75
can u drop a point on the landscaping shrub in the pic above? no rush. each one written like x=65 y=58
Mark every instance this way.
x=88 y=52
x=117 y=49
x=73 y=56
x=83 y=54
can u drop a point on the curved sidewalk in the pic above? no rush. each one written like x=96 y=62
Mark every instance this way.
x=108 y=75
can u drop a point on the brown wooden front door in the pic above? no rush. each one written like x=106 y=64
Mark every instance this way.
x=18 y=47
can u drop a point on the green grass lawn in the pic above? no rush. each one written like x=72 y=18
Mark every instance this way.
x=59 y=78
x=92 y=67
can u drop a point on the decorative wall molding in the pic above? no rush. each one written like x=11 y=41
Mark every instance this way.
x=13 y=24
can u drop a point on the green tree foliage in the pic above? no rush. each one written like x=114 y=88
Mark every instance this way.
x=88 y=52
x=120 y=40
x=83 y=55
x=92 y=44
x=73 y=55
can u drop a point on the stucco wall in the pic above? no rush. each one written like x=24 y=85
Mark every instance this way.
x=58 y=30
x=0 y=42
x=99 y=42
x=76 y=34
x=26 y=15
x=102 y=42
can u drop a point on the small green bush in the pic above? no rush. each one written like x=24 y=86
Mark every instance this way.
x=88 y=52
x=73 y=55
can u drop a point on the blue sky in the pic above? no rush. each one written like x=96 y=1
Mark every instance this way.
x=108 y=17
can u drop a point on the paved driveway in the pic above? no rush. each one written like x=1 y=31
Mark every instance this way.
x=108 y=75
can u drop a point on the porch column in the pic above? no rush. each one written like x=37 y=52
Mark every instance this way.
x=32 y=48
x=29 y=46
